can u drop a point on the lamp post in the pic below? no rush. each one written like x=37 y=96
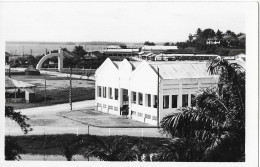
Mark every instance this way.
x=70 y=97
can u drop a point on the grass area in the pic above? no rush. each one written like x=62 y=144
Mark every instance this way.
x=57 y=90
x=54 y=144
x=57 y=96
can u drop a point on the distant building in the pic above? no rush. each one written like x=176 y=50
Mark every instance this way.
x=32 y=71
x=242 y=38
x=213 y=41
x=93 y=55
x=176 y=57
x=133 y=88
x=118 y=51
x=9 y=57
x=158 y=48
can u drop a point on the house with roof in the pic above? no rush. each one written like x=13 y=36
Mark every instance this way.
x=148 y=91
x=213 y=41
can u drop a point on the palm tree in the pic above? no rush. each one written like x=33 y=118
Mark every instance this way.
x=68 y=153
x=112 y=149
x=12 y=148
x=213 y=130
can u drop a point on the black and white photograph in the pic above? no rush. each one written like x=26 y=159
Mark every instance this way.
x=133 y=82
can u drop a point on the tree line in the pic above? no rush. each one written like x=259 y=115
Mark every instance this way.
x=77 y=59
x=230 y=43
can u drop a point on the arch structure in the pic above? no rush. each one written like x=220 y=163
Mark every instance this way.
x=60 y=60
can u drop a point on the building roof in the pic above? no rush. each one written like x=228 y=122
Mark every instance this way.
x=121 y=50
x=134 y=64
x=242 y=36
x=8 y=54
x=174 y=69
x=93 y=55
x=229 y=37
x=31 y=68
x=13 y=84
x=212 y=39
x=177 y=70
x=68 y=54
x=159 y=47
x=113 y=47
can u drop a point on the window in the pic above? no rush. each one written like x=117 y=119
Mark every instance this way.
x=134 y=97
x=184 y=100
x=147 y=116
x=99 y=104
x=140 y=114
x=104 y=106
x=140 y=98
x=149 y=100
x=99 y=91
x=110 y=107
x=116 y=94
x=154 y=118
x=104 y=92
x=116 y=108
x=166 y=101
x=174 y=101
x=110 y=93
x=192 y=100
x=133 y=113
x=155 y=101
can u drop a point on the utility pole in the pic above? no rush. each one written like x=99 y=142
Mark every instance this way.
x=9 y=71
x=45 y=88
x=70 y=98
x=158 y=97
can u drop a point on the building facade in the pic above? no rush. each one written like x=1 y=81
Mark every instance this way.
x=149 y=90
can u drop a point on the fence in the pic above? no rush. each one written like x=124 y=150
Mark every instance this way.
x=89 y=129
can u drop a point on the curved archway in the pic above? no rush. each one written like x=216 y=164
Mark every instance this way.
x=60 y=60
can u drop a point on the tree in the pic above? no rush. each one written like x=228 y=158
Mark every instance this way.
x=123 y=46
x=199 y=31
x=67 y=153
x=190 y=37
x=79 y=51
x=219 y=35
x=149 y=43
x=116 y=149
x=12 y=149
x=228 y=32
x=166 y=44
x=214 y=129
x=208 y=33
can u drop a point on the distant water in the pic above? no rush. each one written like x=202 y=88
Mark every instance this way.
x=39 y=49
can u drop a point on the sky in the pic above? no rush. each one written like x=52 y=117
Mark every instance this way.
x=117 y=21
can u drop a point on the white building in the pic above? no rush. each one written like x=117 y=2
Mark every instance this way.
x=137 y=84
x=158 y=48
x=212 y=41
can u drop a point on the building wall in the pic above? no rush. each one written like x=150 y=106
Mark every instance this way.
x=107 y=77
x=144 y=81
x=180 y=87
x=142 y=84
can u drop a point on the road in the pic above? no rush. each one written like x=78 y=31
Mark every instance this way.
x=48 y=120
